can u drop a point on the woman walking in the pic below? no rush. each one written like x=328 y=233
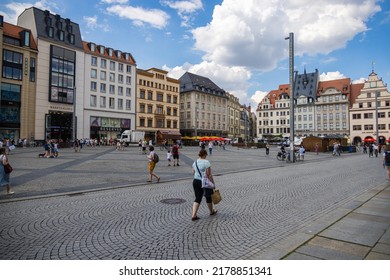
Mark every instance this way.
x=198 y=167
x=152 y=165
x=4 y=177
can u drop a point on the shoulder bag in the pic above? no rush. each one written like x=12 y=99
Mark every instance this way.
x=206 y=183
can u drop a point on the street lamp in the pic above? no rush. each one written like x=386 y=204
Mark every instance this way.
x=291 y=58
x=376 y=117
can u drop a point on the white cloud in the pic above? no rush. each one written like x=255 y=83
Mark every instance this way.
x=15 y=9
x=328 y=76
x=92 y=23
x=258 y=96
x=140 y=16
x=252 y=35
x=185 y=9
x=114 y=1
x=359 y=81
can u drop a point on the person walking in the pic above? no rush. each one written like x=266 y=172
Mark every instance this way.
x=386 y=160
x=152 y=165
x=210 y=147
x=198 y=167
x=175 y=154
x=169 y=157
x=316 y=148
x=267 y=149
x=301 y=152
x=4 y=177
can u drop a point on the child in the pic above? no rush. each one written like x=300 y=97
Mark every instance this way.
x=169 y=157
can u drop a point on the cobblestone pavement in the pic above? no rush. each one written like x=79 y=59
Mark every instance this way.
x=270 y=209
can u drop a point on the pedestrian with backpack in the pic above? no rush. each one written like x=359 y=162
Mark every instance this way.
x=386 y=160
x=153 y=160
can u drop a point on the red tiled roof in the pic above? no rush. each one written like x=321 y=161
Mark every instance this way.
x=355 y=92
x=13 y=31
x=342 y=85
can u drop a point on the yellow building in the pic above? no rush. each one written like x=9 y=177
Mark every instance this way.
x=157 y=105
x=18 y=82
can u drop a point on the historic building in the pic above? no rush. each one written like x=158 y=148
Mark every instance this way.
x=273 y=114
x=305 y=93
x=59 y=74
x=234 y=107
x=158 y=102
x=203 y=107
x=109 y=92
x=18 y=82
x=332 y=108
x=371 y=106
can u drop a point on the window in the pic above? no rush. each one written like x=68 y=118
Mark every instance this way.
x=368 y=127
x=93 y=101
x=150 y=109
x=120 y=90
x=142 y=94
x=12 y=65
x=93 y=73
x=128 y=68
x=32 y=69
x=62 y=75
x=141 y=122
x=102 y=87
x=128 y=80
x=93 y=86
x=112 y=77
x=160 y=123
x=160 y=110
x=112 y=65
x=142 y=108
x=94 y=61
x=128 y=92
x=102 y=102
x=120 y=79
x=128 y=104
x=368 y=115
x=103 y=75
x=175 y=99
x=61 y=35
x=368 y=104
x=112 y=89
x=356 y=116
x=150 y=123
x=120 y=103
x=160 y=97
x=120 y=66
x=103 y=63
x=150 y=95
x=112 y=103
x=169 y=98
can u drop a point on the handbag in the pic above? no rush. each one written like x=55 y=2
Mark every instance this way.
x=216 y=196
x=8 y=168
x=206 y=183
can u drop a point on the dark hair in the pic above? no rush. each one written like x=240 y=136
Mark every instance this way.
x=202 y=153
x=151 y=148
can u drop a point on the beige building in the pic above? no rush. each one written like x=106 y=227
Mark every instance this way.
x=373 y=97
x=203 y=107
x=59 y=72
x=110 y=92
x=234 y=108
x=157 y=105
x=18 y=82
x=332 y=108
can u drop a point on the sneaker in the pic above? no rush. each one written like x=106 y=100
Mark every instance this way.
x=9 y=193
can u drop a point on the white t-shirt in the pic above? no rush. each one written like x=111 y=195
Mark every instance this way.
x=203 y=164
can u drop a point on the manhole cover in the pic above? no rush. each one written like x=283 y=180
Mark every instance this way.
x=173 y=200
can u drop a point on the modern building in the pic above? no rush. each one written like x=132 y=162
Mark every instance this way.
x=203 y=107
x=157 y=105
x=370 y=112
x=18 y=82
x=59 y=74
x=109 y=95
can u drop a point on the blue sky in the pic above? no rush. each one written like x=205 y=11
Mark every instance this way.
x=239 y=44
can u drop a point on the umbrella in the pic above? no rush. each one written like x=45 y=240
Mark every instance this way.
x=369 y=140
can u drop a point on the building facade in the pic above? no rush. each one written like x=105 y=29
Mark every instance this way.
x=109 y=92
x=18 y=82
x=60 y=71
x=158 y=102
x=233 y=116
x=203 y=107
x=371 y=107
x=332 y=108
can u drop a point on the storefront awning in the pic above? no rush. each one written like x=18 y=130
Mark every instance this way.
x=169 y=134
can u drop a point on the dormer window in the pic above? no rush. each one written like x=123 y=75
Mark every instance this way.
x=69 y=28
x=101 y=50
x=50 y=31
x=110 y=52
x=61 y=35
x=119 y=54
x=92 y=47
x=71 y=38
x=25 y=35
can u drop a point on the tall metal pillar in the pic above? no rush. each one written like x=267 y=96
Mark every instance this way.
x=291 y=56
x=74 y=115
x=376 y=117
